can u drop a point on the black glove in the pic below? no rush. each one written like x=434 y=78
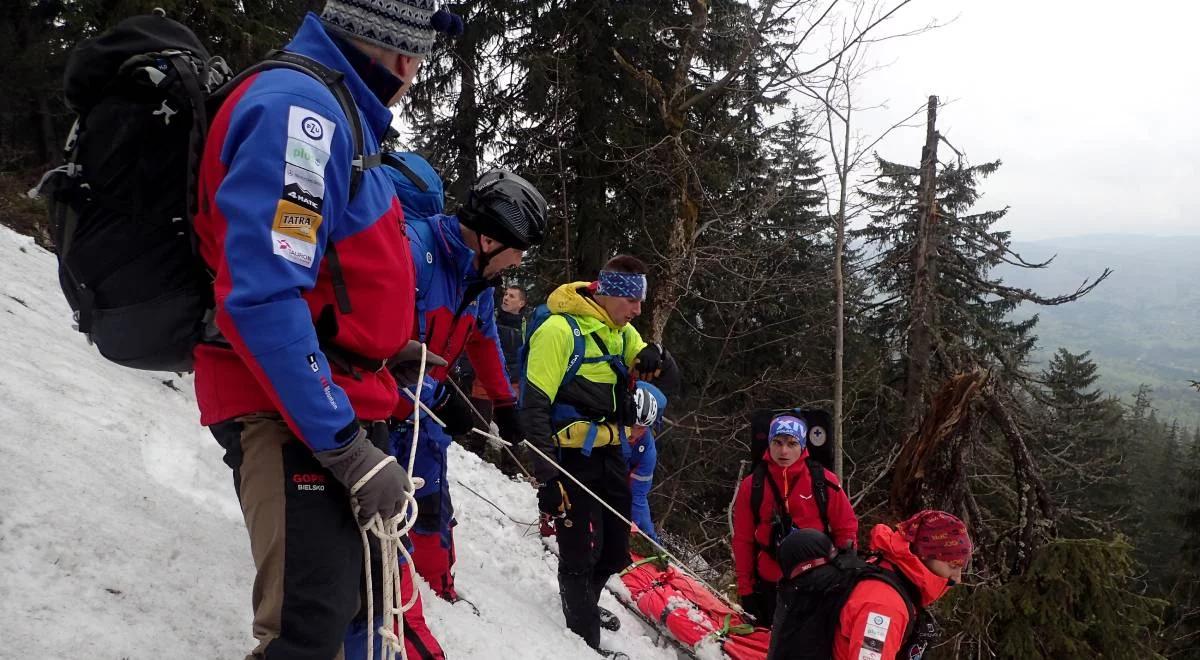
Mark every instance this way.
x=509 y=424
x=384 y=493
x=755 y=604
x=553 y=500
x=648 y=363
x=454 y=410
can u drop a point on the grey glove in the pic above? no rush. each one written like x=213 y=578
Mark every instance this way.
x=383 y=493
x=405 y=364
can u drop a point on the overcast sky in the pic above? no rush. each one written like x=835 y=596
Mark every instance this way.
x=1091 y=105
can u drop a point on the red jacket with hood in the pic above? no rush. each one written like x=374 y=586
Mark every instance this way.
x=795 y=487
x=875 y=615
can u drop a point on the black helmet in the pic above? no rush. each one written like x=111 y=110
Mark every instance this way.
x=503 y=206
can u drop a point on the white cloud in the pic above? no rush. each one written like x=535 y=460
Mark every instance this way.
x=1092 y=106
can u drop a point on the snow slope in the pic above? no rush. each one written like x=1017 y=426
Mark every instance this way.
x=121 y=537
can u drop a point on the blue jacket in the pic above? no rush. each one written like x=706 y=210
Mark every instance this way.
x=455 y=308
x=273 y=194
x=643 y=457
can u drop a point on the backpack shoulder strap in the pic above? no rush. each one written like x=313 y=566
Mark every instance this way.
x=336 y=82
x=760 y=477
x=577 y=349
x=398 y=164
x=902 y=587
x=820 y=491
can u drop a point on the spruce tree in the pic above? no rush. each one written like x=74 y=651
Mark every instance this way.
x=1083 y=432
x=1073 y=602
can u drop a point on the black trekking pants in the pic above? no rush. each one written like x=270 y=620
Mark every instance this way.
x=308 y=552
x=593 y=544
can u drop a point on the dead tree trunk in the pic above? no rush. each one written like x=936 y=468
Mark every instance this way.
x=920 y=335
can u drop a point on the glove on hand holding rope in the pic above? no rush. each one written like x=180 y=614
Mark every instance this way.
x=387 y=485
x=553 y=500
x=508 y=423
x=454 y=410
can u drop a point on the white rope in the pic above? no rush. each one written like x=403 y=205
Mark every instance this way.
x=424 y=407
x=737 y=485
x=390 y=534
x=696 y=576
x=503 y=444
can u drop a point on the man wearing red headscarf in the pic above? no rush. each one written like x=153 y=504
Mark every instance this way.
x=928 y=553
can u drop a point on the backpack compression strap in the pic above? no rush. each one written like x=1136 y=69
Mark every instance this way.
x=563 y=412
x=399 y=165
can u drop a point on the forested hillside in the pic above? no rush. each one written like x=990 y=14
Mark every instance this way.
x=717 y=141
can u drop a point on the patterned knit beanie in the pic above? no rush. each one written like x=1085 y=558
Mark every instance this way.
x=404 y=26
x=938 y=535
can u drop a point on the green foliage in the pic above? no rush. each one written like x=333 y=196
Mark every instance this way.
x=971 y=316
x=1082 y=429
x=1075 y=601
x=37 y=36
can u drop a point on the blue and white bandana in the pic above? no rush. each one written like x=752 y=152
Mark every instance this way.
x=789 y=425
x=622 y=285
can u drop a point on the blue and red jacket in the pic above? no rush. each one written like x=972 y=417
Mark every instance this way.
x=456 y=310
x=273 y=191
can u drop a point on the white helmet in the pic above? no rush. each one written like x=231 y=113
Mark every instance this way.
x=645 y=399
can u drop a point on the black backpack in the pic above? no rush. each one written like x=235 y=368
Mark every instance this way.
x=121 y=207
x=820 y=433
x=810 y=604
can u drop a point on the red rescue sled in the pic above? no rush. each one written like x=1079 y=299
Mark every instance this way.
x=689 y=612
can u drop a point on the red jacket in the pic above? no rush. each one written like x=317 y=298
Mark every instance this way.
x=795 y=487
x=875 y=613
x=273 y=194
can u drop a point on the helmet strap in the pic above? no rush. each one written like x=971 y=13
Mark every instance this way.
x=485 y=257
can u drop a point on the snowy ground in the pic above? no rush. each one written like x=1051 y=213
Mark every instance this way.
x=120 y=535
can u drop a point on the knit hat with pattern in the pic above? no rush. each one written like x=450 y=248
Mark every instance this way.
x=937 y=535
x=404 y=26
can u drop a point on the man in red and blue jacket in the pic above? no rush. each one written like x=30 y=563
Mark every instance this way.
x=457 y=260
x=305 y=269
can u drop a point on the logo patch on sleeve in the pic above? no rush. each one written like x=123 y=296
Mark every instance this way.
x=297 y=252
x=294 y=233
x=310 y=127
x=877 y=626
x=296 y=221
x=303 y=187
x=303 y=154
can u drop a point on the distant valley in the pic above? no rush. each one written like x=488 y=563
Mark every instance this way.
x=1142 y=325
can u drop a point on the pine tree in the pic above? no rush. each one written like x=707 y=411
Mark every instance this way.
x=1074 y=602
x=461 y=101
x=1188 y=520
x=1083 y=434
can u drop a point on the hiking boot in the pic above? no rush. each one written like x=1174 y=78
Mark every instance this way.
x=608 y=620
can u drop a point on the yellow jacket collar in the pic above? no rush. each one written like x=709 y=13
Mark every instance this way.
x=566 y=299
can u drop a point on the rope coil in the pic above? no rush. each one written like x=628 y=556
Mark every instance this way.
x=390 y=534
